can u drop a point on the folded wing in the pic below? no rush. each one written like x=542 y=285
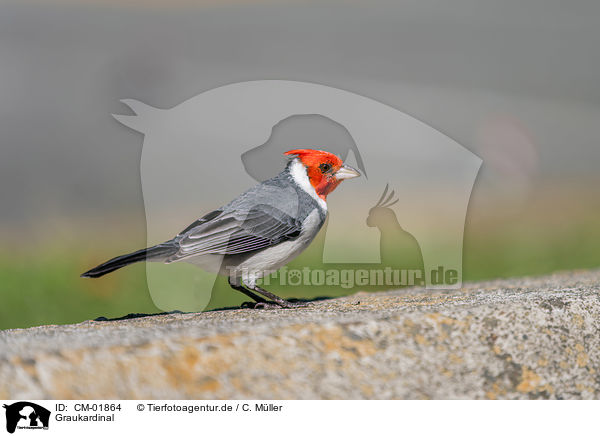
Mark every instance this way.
x=234 y=232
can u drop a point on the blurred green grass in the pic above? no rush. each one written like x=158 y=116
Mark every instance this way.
x=47 y=290
x=45 y=287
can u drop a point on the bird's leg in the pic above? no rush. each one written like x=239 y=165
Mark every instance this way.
x=243 y=290
x=277 y=301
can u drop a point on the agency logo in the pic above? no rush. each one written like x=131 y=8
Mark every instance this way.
x=401 y=224
x=26 y=416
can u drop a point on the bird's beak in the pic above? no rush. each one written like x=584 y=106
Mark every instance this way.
x=346 y=172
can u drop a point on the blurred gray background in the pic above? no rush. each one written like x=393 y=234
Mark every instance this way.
x=516 y=82
x=459 y=66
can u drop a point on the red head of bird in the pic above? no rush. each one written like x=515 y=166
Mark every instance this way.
x=325 y=170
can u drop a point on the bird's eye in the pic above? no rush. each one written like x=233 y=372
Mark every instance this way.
x=324 y=167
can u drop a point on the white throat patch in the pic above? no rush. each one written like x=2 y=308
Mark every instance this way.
x=298 y=172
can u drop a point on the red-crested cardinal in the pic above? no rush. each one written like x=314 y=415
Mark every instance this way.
x=258 y=232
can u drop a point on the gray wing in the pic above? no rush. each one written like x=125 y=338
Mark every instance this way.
x=231 y=232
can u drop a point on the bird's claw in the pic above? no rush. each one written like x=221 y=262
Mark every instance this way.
x=260 y=305
x=296 y=304
x=270 y=305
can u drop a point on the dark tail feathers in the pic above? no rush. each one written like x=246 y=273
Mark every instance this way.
x=127 y=259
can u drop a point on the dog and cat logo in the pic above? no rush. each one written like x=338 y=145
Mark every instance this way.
x=26 y=415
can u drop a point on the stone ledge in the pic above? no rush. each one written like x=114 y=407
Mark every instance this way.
x=523 y=338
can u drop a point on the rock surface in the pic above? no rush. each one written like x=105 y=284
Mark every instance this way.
x=523 y=338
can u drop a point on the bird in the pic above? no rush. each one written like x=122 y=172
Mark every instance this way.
x=397 y=247
x=256 y=233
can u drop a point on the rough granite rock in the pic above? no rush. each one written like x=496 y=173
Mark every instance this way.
x=522 y=338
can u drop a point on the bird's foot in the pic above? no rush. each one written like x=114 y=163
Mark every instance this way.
x=296 y=304
x=269 y=305
x=259 y=305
